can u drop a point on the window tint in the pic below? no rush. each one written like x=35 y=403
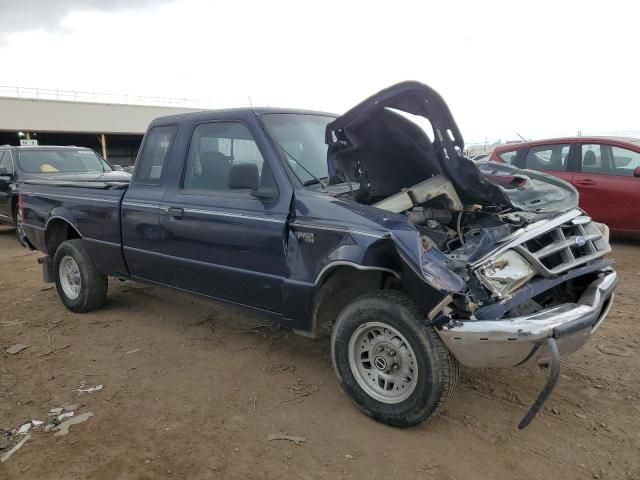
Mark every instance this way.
x=508 y=157
x=594 y=159
x=217 y=147
x=624 y=161
x=154 y=154
x=548 y=157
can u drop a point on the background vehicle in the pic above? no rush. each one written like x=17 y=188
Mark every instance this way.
x=480 y=156
x=280 y=211
x=24 y=164
x=605 y=170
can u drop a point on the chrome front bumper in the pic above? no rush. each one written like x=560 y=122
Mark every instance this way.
x=521 y=340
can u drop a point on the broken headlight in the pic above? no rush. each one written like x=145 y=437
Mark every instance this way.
x=505 y=273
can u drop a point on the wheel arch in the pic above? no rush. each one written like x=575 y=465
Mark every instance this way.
x=59 y=228
x=341 y=282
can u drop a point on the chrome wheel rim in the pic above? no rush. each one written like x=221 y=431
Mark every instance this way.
x=69 y=274
x=383 y=362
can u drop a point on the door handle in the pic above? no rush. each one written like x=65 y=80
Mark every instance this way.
x=586 y=182
x=175 y=212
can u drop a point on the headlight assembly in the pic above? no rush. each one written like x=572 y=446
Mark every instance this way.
x=505 y=273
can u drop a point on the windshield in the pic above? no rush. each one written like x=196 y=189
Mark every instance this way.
x=302 y=137
x=61 y=161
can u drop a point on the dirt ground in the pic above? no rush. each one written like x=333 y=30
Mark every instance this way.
x=210 y=382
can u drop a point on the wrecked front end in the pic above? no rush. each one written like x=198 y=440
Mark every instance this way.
x=521 y=269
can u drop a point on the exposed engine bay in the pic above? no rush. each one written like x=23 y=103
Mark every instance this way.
x=472 y=238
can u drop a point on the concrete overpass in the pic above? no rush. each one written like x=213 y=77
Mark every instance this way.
x=112 y=129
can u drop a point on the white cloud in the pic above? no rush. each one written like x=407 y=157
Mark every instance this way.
x=536 y=68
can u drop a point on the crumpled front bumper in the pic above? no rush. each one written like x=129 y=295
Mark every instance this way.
x=521 y=340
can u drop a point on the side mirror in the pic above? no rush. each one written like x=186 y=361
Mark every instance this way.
x=244 y=176
x=4 y=172
x=636 y=172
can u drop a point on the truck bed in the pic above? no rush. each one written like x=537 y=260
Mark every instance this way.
x=91 y=208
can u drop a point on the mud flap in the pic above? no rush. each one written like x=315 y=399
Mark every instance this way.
x=47 y=269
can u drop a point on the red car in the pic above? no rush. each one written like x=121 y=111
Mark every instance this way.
x=605 y=170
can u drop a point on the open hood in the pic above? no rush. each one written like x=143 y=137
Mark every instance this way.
x=386 y=152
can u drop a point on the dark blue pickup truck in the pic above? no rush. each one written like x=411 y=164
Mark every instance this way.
x=370 y=223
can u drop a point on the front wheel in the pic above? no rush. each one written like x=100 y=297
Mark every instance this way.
x=392 y=365
x=81 y=287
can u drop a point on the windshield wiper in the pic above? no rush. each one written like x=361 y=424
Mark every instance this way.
x=315 y=180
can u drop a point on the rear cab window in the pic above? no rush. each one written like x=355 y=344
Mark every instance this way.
x=154 y=154
x=548 y=157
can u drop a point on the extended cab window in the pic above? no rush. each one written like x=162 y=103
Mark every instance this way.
x=215 y=149
x=548 y=157
x=154 y=154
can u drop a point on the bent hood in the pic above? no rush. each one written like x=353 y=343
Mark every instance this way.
x=385 y=151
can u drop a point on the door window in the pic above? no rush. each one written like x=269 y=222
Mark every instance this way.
x=594 y=159
x=625 y=161
x=548 y=157
x=154 y=154
x=214 y=150
x=508 y=157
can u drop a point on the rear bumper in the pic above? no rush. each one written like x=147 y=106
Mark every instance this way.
x=522 y=340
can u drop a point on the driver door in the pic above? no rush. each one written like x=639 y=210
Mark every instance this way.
x=220 y=241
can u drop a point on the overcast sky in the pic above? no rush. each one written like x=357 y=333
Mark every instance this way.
x=538 y=68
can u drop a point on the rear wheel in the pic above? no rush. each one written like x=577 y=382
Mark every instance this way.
x=17 y=225
x=392 y=365
x=81 y=287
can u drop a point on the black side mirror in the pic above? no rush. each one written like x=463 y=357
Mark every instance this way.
x=4 y=172
x=245 y=176
x=636 y=172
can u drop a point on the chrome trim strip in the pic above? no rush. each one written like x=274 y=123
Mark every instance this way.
x=228 y=215
x=72 y=197
x=102 y=242
x=140 y=250
x=341 y=230
x=338 y=263
x=142 y=205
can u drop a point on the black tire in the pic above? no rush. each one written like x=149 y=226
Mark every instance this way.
x=17 y=227
x=437 y=370
x=93 y=284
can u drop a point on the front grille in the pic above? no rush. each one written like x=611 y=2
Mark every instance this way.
x=565 y=246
